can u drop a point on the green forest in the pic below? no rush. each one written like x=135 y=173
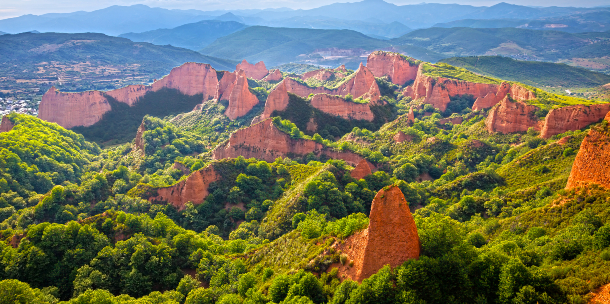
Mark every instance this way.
x=82 y=221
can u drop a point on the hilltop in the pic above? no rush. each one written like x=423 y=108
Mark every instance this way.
x=534 y=73
x=193 y=36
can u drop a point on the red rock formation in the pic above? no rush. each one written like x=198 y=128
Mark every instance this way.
x=401 y=136
x=361 y=170
x=390 y=239
x=6 y=124
x=337 y=106
x=241 y=100
x=193 y=189
x=512 y=116
x=73 y=109
x=325 y=74
x=436 y=91
x=256 y=71
x=190 y=79
x=398 y=69
x=86 y=108
x=572 y=118
x=592 y=163
x=264 y=141
x=225 y=85
x=411 y=115
x=359 y=84
x=274 y=75
x=276 y=101
x=139 y=141
x=129 y=94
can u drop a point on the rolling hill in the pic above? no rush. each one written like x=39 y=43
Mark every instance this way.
x=578 y=49
x=193 y=36
x=598 y=21
x=539 y=74
x=276 y=46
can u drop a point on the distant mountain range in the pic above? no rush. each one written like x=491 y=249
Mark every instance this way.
x=376 y=18
x=598 y=21
x=276 y=46
x=194 y=36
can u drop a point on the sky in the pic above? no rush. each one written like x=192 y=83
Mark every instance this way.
x=14 y=8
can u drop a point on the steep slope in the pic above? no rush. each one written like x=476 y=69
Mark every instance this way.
x=534 y=73
x=276 y=46
x=592 y=163
x=265 y=141
x=193 y=36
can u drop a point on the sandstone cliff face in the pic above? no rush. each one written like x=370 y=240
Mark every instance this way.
x=86 y=108
x=190 y=79
x=264 y=141
x=325 y=74
x=256 y=71
x=398 y=69
x=338 y=106
x=401 y=137
x=193 y=189
x=274 y=75
x=73 y=109
x=361 y=170
x=411 y=115
x=361 y=83
x=225 y=85
x=6 y=124
x=391 y=237
x=510 y=117
x=592 y=163
x=437 y=91
x=241 y=100
x=276 y=101
x=572 y=118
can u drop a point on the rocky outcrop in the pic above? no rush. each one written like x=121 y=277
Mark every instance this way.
x=390 y=239
x=266 y=142
x=6 y=124
x=361 y=83
x=401 y=137
x=189 y=79
x=452 y=120
x=572 y=118
x=437 y=91
x=86 y=108
x=256 y=71
x=274 y=75
x=512 y=116
x=225 y=85
x=411 y=115
x=139 y=141
x=592 y=163
x=73 y=109
x=361 y=170
x=337 y=106
x=276 y=101
x=193 y=189
x=325 y=74
x=241 y=100
x=393 y=65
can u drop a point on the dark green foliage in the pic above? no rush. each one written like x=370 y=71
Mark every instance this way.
x=299 y=111
x=458 y=104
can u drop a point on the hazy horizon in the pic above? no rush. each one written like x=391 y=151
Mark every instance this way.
x=16 y=8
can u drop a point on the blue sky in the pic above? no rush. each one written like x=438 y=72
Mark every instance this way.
x=13 y=8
